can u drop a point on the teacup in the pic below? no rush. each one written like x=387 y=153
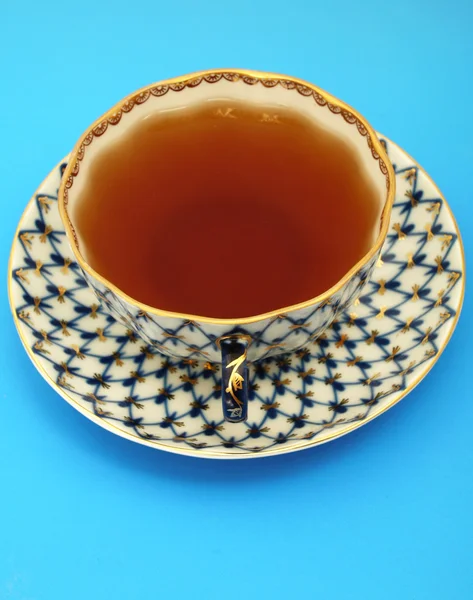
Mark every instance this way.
x=231 y=342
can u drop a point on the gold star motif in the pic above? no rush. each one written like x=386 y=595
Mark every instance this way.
x=434 y=208
x=137 y=376
x=341 y=341
x=333 y=423
x=173 y=336
x=187 y=379
x=45 y=337
x=278 y=317
x=427 y=335
x=342 y=402
x=24 y=316
x=180 y=438
x=191 y=362
x=453 y=278
x=26 y=239
x=305 y=374
x=67 y=373
x=354 y=361
x=353 y=316
x=281 y=382
x=135 y=403
x=439 y=300
x=134 y=423
x=408 y=369
x=275 y=346
x=318 y=339
x=444 y=316
x=410 y=176
x=301 y=326
x=22 y=276
x=283 y=361
x=302 y=396
x=80 y=355
x=37 y=302
x=370 y=380
x=65 y=268
x=173 y=422
x=392 y=356
x=165 y=364
x=117 y=359
x=166 y=394
x=382 y=310
x=44 y=235
x=62 y=381
x=104 y=413
x=62 y=290
x=194 y=350
x=207 y=426
x=37 y=271
x=131 y=336
x=400 y=234
x=101 y=335
x=331 y=380
x=428 y=229
x=95 y=399
x=446 y=241
x=39 y=347
x=98 y=377
x=267 y=407
x=145 y=350
x=303 y=417
x=409 y=194
x=45 y=203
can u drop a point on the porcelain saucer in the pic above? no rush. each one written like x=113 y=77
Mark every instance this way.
x=369 y=359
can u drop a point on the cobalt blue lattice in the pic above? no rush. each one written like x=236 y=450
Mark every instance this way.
x=376 y=351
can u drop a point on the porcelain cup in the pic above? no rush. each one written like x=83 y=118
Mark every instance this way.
x=231 y=343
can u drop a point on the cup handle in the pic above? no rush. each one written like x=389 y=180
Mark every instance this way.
x=234 y=378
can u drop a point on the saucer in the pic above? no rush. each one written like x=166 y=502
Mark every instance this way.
x=369 y=359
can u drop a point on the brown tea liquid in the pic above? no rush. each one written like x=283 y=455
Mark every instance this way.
x=226 y=210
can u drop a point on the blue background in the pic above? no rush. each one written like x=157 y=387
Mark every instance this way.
x=384 y=513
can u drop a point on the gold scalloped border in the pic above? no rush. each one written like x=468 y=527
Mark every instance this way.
x=269 y=80
x=162 y=89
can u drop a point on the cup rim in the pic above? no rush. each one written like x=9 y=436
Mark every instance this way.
x=322 y=97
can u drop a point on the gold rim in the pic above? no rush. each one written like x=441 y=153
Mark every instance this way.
x=244 y=454
x=260 y=76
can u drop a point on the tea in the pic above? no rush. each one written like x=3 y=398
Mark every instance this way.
x=226 y=210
